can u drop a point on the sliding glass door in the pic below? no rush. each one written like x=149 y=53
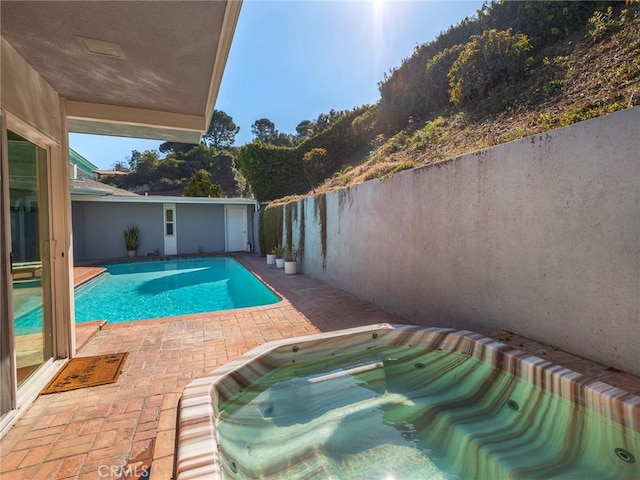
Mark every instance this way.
x=30 y=269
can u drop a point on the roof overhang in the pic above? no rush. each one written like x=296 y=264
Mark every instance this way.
x=163 y=199
x=144 y=69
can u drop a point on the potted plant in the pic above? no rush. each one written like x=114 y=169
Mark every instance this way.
x=271 y=257
x=290 y=260
x=131 y=239
x=279 y=253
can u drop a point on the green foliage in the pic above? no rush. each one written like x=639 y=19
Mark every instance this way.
x=131 y=237
x=290 y=253
x=264 y=130
x=200 y=186
x=270 y=227
x=493 y=61
x=345 y=141
x=302 y=227
x=604 y=22
x=436 y=97
x=544 y=22
x=320 y=211
x=278 y=251
x=304 y=129
x=222 y=131
x=552 y=87
x=364 y=125
x=429 y=135
x=395 y=143
x=171 y=175
x=273 y=172
x=316 y=165
x=288 y=217
x=142 y=165
x=175 y=148
x=408 y=165
x=408 y=93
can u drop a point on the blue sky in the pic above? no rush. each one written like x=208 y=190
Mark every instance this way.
x=293 y=60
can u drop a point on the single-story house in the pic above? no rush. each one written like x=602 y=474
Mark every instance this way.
x=168 y=225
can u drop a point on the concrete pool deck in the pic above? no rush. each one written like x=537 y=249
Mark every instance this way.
x=118 y=430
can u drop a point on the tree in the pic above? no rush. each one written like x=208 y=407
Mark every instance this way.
x=265 y=131
x=304 y=129
x=200 y=186
x=175 y=147
x=222 y=131
x=142 y=168
x=120 y=167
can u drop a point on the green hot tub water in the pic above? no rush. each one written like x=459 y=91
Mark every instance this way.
x=400 y=413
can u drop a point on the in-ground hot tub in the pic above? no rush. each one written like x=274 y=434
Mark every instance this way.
x=403 y=402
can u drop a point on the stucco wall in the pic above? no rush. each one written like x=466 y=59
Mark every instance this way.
x=99 y=229
x=200 y=228
x=540 y=236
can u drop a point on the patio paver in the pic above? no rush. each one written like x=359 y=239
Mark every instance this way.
x=119 y=430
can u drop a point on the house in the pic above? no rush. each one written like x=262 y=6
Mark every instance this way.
x=105 y=173
x=85 y=67
x=80 y=167
x=168 y=225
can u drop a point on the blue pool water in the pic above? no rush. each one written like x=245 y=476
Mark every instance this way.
x=165 y=288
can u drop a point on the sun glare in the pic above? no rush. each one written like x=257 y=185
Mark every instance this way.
x=378 y=7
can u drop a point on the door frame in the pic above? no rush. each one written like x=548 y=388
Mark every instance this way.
x=57 y=292
x=8 y=374
x=235 y=208
x=170 y=241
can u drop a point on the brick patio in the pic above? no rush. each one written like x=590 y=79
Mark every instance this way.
x=119 y=430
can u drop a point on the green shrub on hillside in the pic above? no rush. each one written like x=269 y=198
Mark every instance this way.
x=495 y=60
x=316 y=165
x=436 y=79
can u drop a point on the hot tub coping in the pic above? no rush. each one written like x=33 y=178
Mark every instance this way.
x=196 y=443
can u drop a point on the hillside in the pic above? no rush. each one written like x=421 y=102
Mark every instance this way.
x=578 y=79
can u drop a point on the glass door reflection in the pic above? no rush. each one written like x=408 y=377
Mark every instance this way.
x=29 y=269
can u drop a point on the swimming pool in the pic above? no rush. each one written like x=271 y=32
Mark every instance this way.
x=403 y=402
x=166 y=288
x=161 y=288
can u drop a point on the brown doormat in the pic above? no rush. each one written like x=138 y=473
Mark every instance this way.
x=83 y=372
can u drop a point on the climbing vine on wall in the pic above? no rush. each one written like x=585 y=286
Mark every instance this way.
x=302 y=229
x=270 y=228
x=288 y=219
x=320 y=210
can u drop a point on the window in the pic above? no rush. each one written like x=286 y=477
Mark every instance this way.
x=168 y=222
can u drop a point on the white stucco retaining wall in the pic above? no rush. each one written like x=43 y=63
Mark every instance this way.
x=540 y=236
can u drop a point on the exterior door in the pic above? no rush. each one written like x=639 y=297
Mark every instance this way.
x=170 y=237
x=236 y=227
x=26 y=321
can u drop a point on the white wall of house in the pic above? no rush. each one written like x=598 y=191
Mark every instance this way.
x=540 y=236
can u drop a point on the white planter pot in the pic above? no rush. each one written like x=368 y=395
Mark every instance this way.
x=271 y=259
x=291 y=268
x=131 y=253
x=279 y=262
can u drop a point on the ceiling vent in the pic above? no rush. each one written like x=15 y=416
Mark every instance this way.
x=100 y=47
